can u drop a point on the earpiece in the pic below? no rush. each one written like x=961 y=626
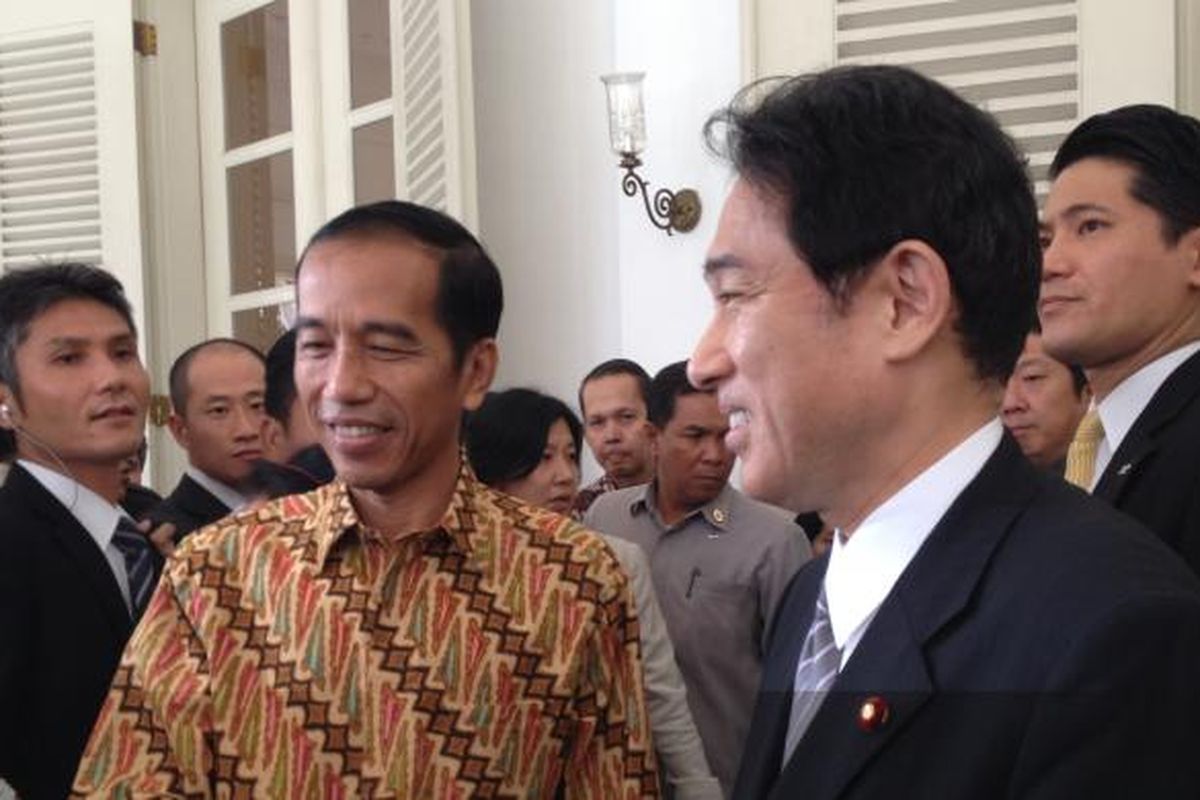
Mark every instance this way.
x=5 y=412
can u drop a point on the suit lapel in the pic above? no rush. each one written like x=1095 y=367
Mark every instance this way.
x=1176 y=393
x=890 y=661
x=23 y=490
x=198 y=502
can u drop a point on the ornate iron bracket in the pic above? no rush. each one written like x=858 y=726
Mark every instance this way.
x=669 y=211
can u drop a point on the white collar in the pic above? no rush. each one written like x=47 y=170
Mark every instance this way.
x=97 y=516
x=863 y=570
x=1129 y=399
x=232 y=498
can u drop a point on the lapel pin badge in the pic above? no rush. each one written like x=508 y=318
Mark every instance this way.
x=718 y=516
x=873 y=714
x=1124 y=470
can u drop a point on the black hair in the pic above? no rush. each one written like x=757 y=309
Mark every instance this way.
x=507 y=434
x=1162 y=146
x=670 y=382
x=26 y=294
x=281 y=379
x=470 y=297
x=864 y=157
x=178 y=381
x=618 y=366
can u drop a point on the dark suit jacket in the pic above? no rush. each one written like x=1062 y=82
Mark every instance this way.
x=1154 y=476
x=189 y=507
x=1037 y=646
x=63 y=625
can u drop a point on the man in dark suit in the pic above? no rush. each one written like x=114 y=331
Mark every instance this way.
x=1121 y=297
x=73 y=399
x=217 y=390
x=978 y=629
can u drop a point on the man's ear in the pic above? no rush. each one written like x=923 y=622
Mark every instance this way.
x=914 y=283
x=652 y=436
x=1191 y=242
x=8 y=408
x=478 y=371
x=179 y=429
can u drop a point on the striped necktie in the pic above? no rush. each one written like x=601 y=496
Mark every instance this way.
x=1081 y=456
x=820 y=660
x=138 y=552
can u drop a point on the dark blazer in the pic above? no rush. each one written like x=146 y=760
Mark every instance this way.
x=1154 y=476
x=63 y=625
x=189 y=507
x=1037 y=646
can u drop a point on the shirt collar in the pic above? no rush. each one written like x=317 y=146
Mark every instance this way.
x=863 y=570
x=96 y=515
x=232 y=498
x=716 y=512
x=335 y=517
x=1129 y=399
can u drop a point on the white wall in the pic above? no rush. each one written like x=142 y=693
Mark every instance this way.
x=546 y=212
x=586 y=276
x=690 y=51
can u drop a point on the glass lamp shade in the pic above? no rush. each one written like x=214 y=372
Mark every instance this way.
x=626 y=116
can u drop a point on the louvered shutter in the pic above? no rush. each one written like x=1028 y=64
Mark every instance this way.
x=68 y=138
x=422 y=104
x=49 y=177
x=1018 y=59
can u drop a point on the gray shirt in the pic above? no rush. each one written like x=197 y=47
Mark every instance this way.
x=719 y=574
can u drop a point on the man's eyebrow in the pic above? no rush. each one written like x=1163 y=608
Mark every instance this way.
x=716 y=264
x=396 y=329
x=1076 y=210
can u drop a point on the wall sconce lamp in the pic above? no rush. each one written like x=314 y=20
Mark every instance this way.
x=670 y=211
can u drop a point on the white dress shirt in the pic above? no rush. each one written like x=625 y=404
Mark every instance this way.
x=1129 y=399
x=232 y=498
x=863 y=570
x=97 y=516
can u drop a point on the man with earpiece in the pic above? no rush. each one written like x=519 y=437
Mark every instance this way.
x=75 y=571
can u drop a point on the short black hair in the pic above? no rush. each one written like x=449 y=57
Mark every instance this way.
x=670 y=383
x=618 y=366
x=864 y=157
x=281 y=378
x=1162 y=146
x=26 y=294
x=178 y=377
x=470 y=296
x=506 y=435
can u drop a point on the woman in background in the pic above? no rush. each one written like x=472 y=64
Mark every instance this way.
x=527 y=444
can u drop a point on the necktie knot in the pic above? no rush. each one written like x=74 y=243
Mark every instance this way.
x=1081 y=456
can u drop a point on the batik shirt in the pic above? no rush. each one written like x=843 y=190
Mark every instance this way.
x=588 y=494
x=291 y=651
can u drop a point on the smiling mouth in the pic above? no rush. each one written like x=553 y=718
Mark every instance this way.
x=115 y=412
x=1055 y=302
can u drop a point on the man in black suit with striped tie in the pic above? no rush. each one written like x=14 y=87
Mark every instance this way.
x=75 y=572
x=978 y=629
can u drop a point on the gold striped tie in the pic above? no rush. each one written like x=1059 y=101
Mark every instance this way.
x=1081 y=457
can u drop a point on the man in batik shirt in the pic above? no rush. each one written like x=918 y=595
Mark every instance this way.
x=403 y=630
